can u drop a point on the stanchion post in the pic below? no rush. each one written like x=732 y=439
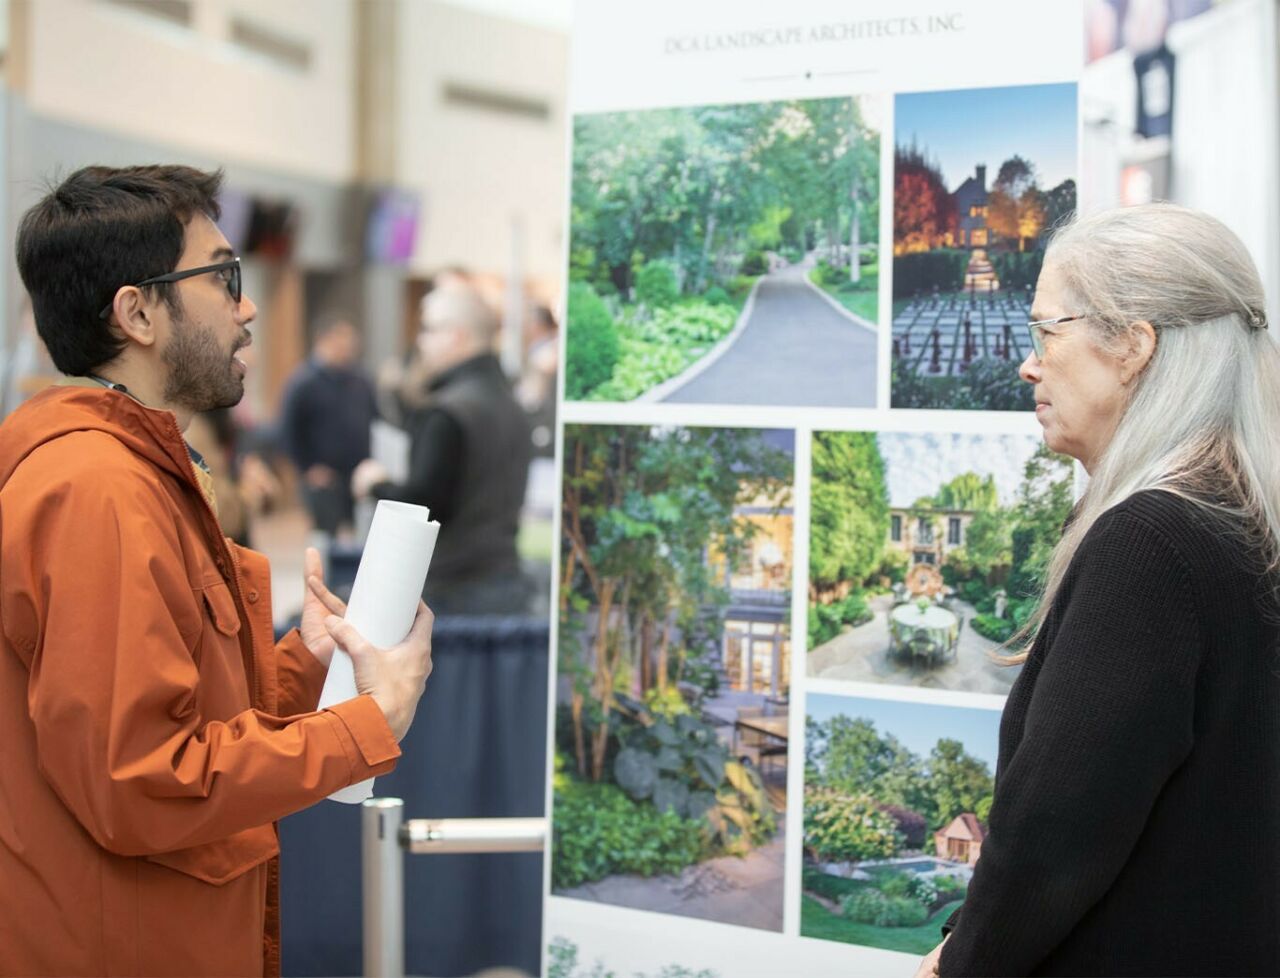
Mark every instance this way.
x=383 y=886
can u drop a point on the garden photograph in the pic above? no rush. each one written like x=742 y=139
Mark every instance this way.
x=726 y=254
x=980 y=179
x=673 y=661
x=926 y=554
x=896 y=799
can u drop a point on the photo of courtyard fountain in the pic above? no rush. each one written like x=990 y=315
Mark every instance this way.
x=926 y=552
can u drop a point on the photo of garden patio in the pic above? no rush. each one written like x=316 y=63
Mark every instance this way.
x=926 y=553
x=726 y=254
x=673 y=670
x=896 y=799
x=966 y=255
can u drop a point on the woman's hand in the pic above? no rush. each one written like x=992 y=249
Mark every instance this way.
x=929 y=966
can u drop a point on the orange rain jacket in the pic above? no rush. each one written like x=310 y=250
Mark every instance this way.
x=149 y=733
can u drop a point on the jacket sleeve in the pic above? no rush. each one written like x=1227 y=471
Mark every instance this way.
x=1108 y=723
x=299 y=675
x=114 y=691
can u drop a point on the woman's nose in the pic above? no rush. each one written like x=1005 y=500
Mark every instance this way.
x=1029 y=369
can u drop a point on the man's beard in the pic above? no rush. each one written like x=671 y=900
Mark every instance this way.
x=202 y=375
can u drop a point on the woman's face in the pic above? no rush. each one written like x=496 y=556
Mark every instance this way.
x=1080 y=390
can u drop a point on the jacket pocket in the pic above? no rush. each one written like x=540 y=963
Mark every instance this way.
x=221 y=608
x=222 y=861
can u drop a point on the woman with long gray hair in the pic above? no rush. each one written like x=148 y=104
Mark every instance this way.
x=1135 y=828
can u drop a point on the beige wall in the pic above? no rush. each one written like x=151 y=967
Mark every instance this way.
x=99 y=64
x=482 y=172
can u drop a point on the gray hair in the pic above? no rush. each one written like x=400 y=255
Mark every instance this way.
x=1203 y=419
x=459 y=306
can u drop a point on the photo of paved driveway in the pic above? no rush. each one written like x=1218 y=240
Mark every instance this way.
x=797 y=347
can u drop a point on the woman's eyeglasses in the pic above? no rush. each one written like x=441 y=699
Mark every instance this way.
x=1037 y=335
x=231 y=266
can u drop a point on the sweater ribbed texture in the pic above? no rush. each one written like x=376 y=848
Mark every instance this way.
x=1136 y=822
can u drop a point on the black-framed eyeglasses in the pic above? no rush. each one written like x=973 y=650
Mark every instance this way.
x=231 y=266
x=1037 y=336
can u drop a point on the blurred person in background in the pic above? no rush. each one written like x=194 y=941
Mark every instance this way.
x=468 y=459
x=243 y=482
x=324 y=425
x=536 y=390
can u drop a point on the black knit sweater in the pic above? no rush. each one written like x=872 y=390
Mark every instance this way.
x=1136 y=822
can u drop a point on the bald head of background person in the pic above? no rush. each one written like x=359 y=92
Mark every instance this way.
x=456 y=326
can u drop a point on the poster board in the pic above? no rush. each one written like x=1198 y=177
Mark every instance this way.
x=803 y=492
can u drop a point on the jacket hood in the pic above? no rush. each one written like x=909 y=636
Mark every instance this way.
x=59 y=411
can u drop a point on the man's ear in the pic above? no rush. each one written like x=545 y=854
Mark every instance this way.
x=1139 y=351
x=134 y=316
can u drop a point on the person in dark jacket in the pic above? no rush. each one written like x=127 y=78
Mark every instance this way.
x=1137 y=793
x=468 y=459
x=328 y=407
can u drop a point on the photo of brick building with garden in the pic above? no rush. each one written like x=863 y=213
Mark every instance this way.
x=673 y=675
x=926 y=552
x=896 y=797
x=726 y=254
x=981 y=176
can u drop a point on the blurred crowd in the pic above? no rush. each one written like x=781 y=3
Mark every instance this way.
x=442 y=425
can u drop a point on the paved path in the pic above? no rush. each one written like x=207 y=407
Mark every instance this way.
x=796 y=349
x=734 y=890
x=862 y=655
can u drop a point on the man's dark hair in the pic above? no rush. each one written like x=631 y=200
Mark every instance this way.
x=100 y=229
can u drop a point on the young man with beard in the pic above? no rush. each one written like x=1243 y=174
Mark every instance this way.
x=151 y=732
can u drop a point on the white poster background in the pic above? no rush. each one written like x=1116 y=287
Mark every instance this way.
x=667 y=53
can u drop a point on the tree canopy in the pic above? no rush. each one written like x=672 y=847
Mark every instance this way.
x=849 y=755
x=849 y=518
x=700 y=187
x=641 y=509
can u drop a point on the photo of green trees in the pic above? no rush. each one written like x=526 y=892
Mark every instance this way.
x=926 y=553
x=726 y=254
x=673 y=670
x=896 y=800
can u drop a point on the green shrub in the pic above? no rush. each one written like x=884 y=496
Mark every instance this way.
x=923 y=889
x=894 y=884
x=989 y=626
x=695 y=323
x=754 y=263
x=1017 y=270
x=923 y=271
x=911 y=825
x=716 y=296
x=840 y=827
x=656 y=285
x=682 y=767
x=829 y=275
x=592 y=342
x=662 y=347
x=873 y=907
x=826 y=621
x=599 y=831
x=988 y=385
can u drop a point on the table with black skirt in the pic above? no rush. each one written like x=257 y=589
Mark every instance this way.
x=477 y=749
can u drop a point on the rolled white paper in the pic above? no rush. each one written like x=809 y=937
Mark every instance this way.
x=384 y=599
